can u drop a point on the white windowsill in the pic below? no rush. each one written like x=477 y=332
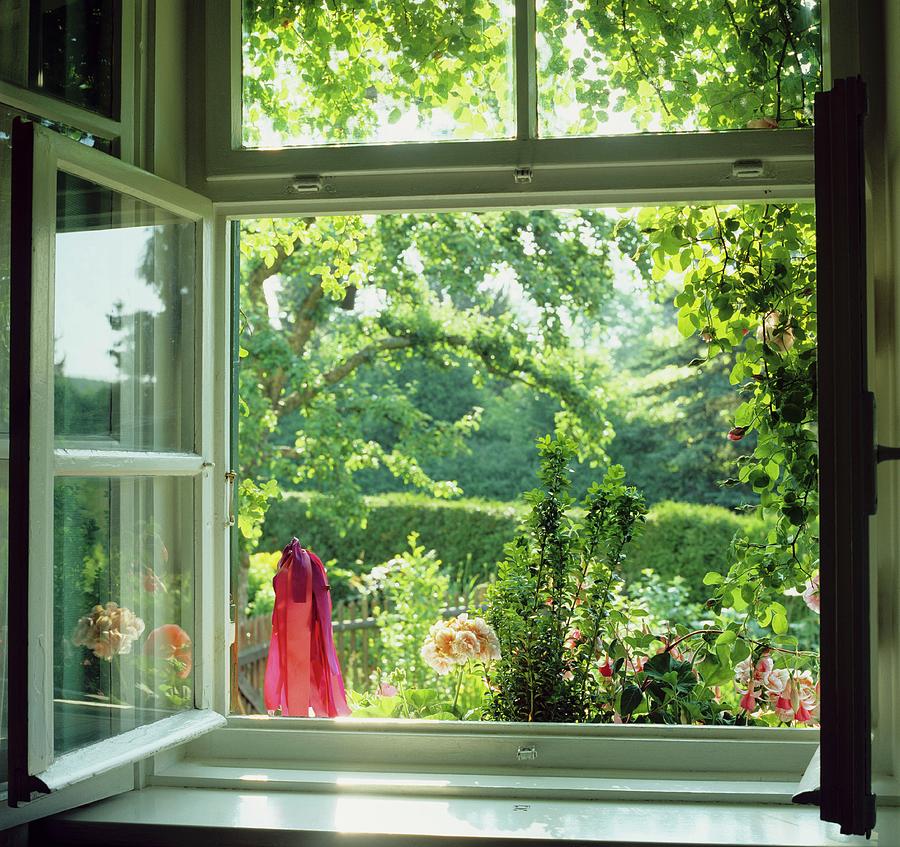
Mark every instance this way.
x=170 y=816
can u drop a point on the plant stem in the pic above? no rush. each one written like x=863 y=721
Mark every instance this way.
x=458 y=686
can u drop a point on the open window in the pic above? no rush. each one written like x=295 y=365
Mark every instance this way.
x=111 y=459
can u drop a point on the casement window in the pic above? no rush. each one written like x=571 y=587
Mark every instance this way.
x=122 y=374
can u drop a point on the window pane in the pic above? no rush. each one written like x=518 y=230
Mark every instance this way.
x=123 y=600
x=13 y=22
x=330 y=73
x=74 y=52
x=124 y=345
x=647 y=66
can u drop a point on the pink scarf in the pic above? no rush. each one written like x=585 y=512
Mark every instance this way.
x=302 y=670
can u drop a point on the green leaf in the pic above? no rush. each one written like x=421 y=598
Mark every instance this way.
x=713 y=578
x=631 y=698
x=779 y=624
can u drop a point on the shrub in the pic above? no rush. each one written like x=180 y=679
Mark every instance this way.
x=688 y=540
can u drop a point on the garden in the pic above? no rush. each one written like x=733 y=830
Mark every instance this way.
x=561 y=466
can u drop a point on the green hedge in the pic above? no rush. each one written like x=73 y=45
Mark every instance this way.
x=468 y=535
x=689 y=539
x=685 y=539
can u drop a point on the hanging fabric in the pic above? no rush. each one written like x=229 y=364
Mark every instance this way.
x=302 y=670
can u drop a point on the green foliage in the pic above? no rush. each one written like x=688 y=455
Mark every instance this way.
x=443 y=68
x=254 y=501
x=413 y=591
x=686 y=540
x=468 y=535
x=333 y=307
x=667 y=65
x=260 y=588
x=750 y=293
x=558 y=575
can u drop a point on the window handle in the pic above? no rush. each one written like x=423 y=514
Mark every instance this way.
x=886 y=454
x=230 y=477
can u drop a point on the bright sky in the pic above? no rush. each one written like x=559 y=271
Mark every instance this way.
x=94 y=271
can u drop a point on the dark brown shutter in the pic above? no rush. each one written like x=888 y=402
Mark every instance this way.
x=847 y=459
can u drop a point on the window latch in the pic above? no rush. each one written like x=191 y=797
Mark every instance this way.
x=306 y=184
x=526 y=754
x=747 y=169
x=523 y=176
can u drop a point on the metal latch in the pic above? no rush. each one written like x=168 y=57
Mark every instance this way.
x=230 y=477
x=747 y=169
x=523 y=176
x=306 y=184
x=526 y=754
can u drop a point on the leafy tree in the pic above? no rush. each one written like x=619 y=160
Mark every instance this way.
x=491 y=294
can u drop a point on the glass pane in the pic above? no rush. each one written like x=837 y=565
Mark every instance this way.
x=123 y=600
x=330 y=73
x=648 y=66
x=13 y=23
x=124 y=345
x=74 y=52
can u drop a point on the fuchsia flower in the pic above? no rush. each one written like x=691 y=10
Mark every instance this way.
x=792 y=696
x=573 y=636
x=737 y=433
x=606 y=668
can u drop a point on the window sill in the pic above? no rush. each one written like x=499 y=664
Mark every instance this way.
x=169 y=816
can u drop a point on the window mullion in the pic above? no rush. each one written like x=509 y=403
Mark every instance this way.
x=526 y=70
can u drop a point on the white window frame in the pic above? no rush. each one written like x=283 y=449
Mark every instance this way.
x=458 y=175
x=52 y=154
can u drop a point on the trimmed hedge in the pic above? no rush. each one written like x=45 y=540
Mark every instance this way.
x=468 y=535
x=689 y=540
x=679 y=539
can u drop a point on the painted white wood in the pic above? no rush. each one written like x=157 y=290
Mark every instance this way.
x=101 y=786
x=470 y=747
x=168 y=816
x=526 y=69
x=40 y=462
x=90 y=164
x=242 y=775
x=118 y=463
x=217 y=654
x=59 y=111
x=628 y=185
x=129 y=747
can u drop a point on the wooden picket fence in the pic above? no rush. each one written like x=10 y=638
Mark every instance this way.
x=355 y=639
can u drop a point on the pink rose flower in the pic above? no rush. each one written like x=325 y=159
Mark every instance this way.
x=387 y=690
x=762 y=123
x=811 y=595
x=778 y=339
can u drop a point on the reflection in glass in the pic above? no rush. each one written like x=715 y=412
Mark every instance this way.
x=124 y=306
x=73 y=52
x=13 y=24
x=123 y=600
x=665 y=65
x=381 y=71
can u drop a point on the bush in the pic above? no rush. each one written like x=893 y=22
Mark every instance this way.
x=679 y=539
x=688 y=540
